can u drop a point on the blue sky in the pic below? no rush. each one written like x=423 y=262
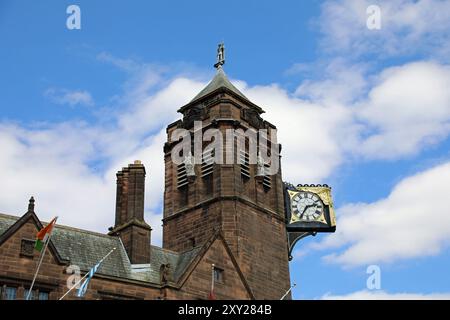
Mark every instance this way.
x=366 y=111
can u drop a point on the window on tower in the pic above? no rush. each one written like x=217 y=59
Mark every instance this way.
x=218 y=275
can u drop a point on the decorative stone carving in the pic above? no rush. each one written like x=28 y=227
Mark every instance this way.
x=165 y=273
x=260 y=170
x=253 y=118
x=189 y=166
x=27 y=248
x=194 y=113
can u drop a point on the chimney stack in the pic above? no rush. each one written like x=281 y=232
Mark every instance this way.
x=130 y=225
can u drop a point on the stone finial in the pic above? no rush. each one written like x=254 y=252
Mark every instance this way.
x=31 y=205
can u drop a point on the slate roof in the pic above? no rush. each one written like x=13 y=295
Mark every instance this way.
x=220 y=80
x=6 y=221
x=86 y=248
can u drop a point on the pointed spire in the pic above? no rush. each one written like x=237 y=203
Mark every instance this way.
x=31 y=205
x=220 y=80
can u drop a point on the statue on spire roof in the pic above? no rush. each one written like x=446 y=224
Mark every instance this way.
x=220 y=56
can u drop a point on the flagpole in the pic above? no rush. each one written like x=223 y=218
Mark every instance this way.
x=79 y=281
x=40 y=261
x=41 y=258
x=287 y=292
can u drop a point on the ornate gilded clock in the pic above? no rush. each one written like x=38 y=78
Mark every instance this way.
x=309 y=208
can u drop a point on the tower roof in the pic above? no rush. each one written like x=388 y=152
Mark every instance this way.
x=220 y=80
x=220 y=83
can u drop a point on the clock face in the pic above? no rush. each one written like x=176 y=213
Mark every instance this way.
x=307 y=206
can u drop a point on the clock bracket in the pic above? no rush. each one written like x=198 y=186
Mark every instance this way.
x=294 y=237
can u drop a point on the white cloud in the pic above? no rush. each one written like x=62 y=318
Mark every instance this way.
x=70 y=167
x=69 y=97
x=392 y=114
x=157 y=110
x=411 y=222
x=309 y=132
x=407 y=27
x=407 y=109
x=51 y=164
x=57 y=165
x=339 y=82
x=383 y=295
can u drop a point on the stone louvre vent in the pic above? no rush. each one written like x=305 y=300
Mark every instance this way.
x=244 y=163
x=207 y=163
x=181 y=176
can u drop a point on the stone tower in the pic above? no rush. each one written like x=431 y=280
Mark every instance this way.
x=232 y=198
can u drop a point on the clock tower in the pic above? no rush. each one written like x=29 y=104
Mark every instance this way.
x=228 y=190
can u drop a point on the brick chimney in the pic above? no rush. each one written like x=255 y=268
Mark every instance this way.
x=130 y=225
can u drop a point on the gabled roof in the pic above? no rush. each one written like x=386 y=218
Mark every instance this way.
x=13 y=224
x=218 y=235
x=220 y=80
x=85 y=248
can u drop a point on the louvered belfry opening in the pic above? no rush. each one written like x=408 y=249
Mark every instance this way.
x=182 y=179
x=244 y=162
x=207 y=162
x=267 y=180
x=207 y=170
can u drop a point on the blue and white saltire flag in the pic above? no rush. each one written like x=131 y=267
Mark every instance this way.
x=83 y=287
